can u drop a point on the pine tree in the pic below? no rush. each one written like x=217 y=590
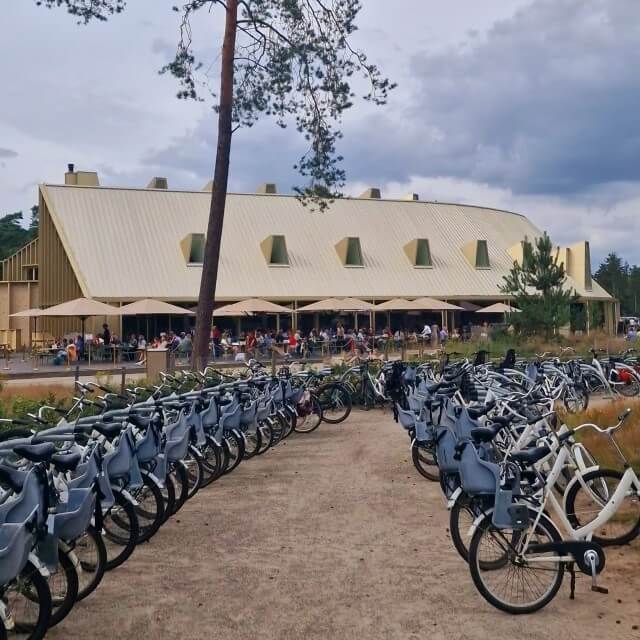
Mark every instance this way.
x=538 y=289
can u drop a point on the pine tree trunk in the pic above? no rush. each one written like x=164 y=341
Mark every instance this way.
x=219 y=192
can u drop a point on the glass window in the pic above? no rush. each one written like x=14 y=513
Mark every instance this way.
x=482 y=255
x=423 y=253
x=196 y=252
x=354 y=253
x=279 y=253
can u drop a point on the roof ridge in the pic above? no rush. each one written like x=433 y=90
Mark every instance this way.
x=283 y=195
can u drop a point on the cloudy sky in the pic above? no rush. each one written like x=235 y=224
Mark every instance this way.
x=527 y=105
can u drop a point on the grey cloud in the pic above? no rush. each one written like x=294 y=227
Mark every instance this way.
x=545 y=102
x=264 y=153
x=8 y=153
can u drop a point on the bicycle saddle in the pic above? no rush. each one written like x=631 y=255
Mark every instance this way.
x=12 y=477
x=109 y=431
x=530 y=456
x=65 y=461
x=36 y=452
x=486 y=434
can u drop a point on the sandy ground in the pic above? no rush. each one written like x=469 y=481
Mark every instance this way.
x=330 y=535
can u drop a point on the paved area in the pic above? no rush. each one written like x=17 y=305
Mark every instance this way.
x=330 y=535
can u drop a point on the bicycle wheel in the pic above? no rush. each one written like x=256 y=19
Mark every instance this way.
x=91 y=554
x=309 y=416
x=336 y=402
x=178 y=476
x=576 y=399
x=63 y=586
x=253 y=442
x=149 y=510
x=266 y=437
x=193 y=462
x=119 y=531
x=235 y=448
x=630 y=388
x=28 y=601
x=211 y=462
x=526 y=582
x=462 y=515
x=424 y=461
x=586 y=499
x=169 y=498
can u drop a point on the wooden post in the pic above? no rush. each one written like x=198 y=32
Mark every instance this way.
x=76 y=373
x=123 y=375
x=273 y=361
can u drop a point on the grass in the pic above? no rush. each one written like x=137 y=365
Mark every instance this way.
x=605 y=413
x=528 y=347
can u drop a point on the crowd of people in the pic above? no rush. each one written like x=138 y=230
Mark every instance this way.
x=250 y=343
x=327 y=340
x=132 y=349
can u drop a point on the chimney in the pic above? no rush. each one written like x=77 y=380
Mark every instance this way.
x=158 y=183
x=267 y=187
x=373 y=193
x=70 y=176
x=80 y=178
x=414 y=197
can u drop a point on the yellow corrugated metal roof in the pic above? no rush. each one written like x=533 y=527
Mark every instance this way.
x=126 y=243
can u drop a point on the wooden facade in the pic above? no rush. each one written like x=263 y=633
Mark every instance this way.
x=19 y=290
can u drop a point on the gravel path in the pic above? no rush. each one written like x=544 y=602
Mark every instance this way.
x=330 y=535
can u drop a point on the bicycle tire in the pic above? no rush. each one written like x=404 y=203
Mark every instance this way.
x=424 y=461
x=235 y=448
x=169 y=498
x=211 y=461
x=312 y=420
x=581 y=395
x=193 y=463
x=119 y=544
x=180 y=481
x=485 y=528
x=150 y=512
x=33 y=586
x=266 y=441
x=65 y=588
x=342 y=400
x=573 y=494
x=92 y=571
x=253 y=442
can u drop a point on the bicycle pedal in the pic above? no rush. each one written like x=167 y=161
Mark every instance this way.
x=599 y=589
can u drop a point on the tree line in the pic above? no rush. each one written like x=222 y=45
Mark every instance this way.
x=622 y=281
x=13 y=233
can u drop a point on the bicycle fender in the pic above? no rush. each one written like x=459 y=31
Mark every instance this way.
x=453 y=499
x=154 y=479
x=128 y=497
x=36 y=562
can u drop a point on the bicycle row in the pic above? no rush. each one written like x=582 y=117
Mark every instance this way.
x=527 y=500
x=81 y=487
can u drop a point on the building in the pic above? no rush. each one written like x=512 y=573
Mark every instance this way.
x=123 y=244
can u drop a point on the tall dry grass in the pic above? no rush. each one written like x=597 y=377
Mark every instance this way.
x=605 y=413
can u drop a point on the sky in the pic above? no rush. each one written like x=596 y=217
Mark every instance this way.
x=528 y=105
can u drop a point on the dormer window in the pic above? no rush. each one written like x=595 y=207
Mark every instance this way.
x=275 y=251
x=419 y=253
x=477 y=253
x=482 y=255
x=350 y=252
x=193 y=248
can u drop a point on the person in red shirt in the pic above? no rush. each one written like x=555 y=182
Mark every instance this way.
x=251 y=342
